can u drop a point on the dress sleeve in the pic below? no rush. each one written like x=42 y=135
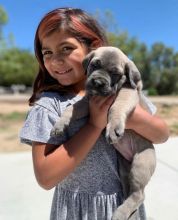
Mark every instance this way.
x=38 y=125
x=147 y=104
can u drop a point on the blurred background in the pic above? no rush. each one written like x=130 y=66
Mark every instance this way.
x=145 y=30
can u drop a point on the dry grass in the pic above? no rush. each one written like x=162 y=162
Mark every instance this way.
x=12 y=115
x=170 y=114
x=13 y=112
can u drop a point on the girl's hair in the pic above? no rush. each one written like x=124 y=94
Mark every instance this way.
x=73 y=21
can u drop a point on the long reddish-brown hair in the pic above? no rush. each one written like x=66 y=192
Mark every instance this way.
x=74 y=21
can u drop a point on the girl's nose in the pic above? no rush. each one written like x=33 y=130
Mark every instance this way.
x=57 y=60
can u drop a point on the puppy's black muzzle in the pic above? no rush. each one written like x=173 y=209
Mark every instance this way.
x=98 y=86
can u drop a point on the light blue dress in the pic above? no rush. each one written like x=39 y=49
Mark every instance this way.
x=93 y=191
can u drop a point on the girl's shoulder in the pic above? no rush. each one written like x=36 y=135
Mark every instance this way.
x=52 y=95
x=41 y=119
x=55 y=101
x=49 y=101
x=50 y=98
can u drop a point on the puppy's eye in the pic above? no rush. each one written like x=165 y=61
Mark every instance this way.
x=96 y=63
x=114 y=70
x=115 y=77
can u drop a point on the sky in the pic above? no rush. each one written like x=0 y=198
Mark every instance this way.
x=150 y=21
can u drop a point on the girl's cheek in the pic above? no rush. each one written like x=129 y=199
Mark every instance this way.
x=46 y=64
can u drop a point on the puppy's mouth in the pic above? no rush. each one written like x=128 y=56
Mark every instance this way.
x=98 y=86
x=99 y=93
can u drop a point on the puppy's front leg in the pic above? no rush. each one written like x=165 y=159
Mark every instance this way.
x=72 y=113
x=124 y=104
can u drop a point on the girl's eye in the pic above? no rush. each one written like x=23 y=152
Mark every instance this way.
x=67 y=49
x=45 y=53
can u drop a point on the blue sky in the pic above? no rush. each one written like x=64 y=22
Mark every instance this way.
x=149 y=21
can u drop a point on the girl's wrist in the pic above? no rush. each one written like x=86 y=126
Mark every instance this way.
x=95 y=127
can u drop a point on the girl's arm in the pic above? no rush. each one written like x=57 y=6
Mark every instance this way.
x=149 y=126
x=52 y=166
x=53 y=163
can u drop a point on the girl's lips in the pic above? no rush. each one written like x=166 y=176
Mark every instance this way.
x=64 y=72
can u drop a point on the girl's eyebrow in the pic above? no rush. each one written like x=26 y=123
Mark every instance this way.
x=64 y=42
x=44 y=48
x=61 y=44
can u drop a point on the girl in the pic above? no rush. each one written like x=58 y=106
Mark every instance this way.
x=86 y=187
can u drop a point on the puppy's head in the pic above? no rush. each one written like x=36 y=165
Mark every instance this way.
x=107 y=69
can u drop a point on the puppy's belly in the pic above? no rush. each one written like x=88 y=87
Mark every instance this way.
x=126 y=148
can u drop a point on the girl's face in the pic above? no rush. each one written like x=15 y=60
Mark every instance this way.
x=63 y=56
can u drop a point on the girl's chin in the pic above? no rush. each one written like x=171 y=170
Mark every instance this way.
x=65 y=83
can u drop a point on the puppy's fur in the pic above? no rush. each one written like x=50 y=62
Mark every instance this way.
x=109 y=71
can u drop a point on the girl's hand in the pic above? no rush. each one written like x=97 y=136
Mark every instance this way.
x=98 y=108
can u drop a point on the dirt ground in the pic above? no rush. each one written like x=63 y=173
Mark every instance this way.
x=13 y=110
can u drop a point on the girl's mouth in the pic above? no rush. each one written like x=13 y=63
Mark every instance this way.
x=64 y=72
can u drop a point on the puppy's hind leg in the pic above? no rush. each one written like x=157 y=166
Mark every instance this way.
x=143 y=166
x=130 y=205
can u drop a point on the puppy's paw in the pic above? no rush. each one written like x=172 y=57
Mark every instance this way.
x=114 y=133
x=58 y=128
x=119 y=130
x=56 y=132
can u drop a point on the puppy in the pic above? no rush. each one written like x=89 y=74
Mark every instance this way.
x=109 y=71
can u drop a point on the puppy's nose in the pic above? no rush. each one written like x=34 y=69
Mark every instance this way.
x=98 y=83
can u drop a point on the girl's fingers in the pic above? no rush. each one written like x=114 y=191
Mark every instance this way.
x=99 y=100
x=108 y=102
x=102 y=103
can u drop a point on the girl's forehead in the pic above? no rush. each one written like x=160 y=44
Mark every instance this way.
x=50 y=34
x=59 y=38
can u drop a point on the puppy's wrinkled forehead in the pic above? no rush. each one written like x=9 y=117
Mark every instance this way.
x=111 y=57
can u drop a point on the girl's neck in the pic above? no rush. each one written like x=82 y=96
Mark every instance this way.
x=79 y=89
x=80 y=92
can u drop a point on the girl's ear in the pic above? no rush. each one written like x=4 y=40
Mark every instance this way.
x=87 y=60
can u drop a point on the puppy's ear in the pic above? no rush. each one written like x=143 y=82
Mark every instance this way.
x=132 y=74
x=87 y=60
